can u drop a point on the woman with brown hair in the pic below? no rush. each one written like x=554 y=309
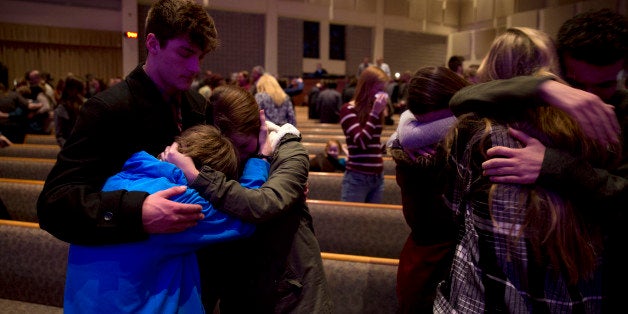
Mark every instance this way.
x=362 y=121
x=416 y=147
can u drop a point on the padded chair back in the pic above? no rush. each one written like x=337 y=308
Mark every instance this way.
x=328 y=186
x=20 y=198
x=25 y=168
x=377 y=230
x=31 y=150
x=32 y=264
x=361 y=284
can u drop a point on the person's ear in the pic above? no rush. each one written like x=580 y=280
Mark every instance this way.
x=152 y=43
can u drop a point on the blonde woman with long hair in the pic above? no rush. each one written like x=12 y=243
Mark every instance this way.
x=274 y=101
x=523 y=248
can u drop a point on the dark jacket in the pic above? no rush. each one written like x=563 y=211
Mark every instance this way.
x=122 y=120
x=328 y=104
x=325 y=163
x=279 y=269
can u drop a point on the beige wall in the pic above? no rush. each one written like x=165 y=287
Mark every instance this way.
x=480 y=23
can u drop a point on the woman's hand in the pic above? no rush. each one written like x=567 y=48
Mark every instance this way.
x=381 y=102
x=172 y=155
x=265 y=147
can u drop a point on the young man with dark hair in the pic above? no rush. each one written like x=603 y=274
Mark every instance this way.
x=145 y=112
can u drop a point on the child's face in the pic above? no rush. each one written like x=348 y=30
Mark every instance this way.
x=332 y=150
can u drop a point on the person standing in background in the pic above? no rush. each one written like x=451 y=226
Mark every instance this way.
x=455 y=64
x=384 y=66
x=366 y=62
x=320 y=71
x=329 y=102
x=274 y=101
x=256 y=72
x=362 y=120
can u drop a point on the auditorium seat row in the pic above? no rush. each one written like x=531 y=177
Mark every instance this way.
x=33 y=263
x=327 y=186
x=324 y=186
x=341 y=227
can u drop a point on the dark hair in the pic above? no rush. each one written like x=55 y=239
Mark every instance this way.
x=431 y=88
x=455 y=62
x=168 y=19
x=73 y=86
x=596 y=37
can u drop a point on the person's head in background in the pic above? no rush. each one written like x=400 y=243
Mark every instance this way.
x=234 y=111
x=33 y=77
x=242 y=78
x=519 y=51
x=179 y=33
x=371 y=81
x=431 y=88
x=268 y=84
x=74 y=89
x=257 y=72
x=455 y=64
x=333 y=148
x=206 y=145
x=593 y=49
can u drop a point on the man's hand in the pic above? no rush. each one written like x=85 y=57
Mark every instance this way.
x=515 y=165
x=161 y=215
x=595 y=117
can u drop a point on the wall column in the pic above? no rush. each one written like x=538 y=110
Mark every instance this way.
x=130 y=46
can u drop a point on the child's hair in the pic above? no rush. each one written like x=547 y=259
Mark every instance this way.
x=207 y=146
x=332 y=142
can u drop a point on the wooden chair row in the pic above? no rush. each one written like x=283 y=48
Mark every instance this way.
x=31 y=150
x=38 y=168
x=358 y=284
x=51 y=151
x=341 y=227
x=313 y=134
x=40 y=139
x=25 y=168
x=328 y=186
x=323 y=138
x=334 y=129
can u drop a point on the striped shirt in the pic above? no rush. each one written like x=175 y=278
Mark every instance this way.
x=363 y=141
